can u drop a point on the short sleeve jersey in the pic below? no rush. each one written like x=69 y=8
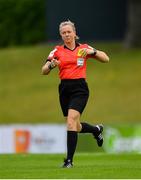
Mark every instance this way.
x=72 y=65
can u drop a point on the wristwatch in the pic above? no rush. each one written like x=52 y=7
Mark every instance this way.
x=51 y=66
x=95 y=51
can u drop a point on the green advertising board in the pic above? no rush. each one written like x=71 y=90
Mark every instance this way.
x=117 y=139
x=122 y=139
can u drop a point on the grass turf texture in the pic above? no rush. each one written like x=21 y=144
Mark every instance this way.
x=89 y=166
x=28 y=97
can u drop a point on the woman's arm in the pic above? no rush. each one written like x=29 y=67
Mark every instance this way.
x=97 y=54
x=101 y=56
x=45 y=68
x=49 y=66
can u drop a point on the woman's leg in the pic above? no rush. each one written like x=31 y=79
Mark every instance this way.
x=72 y=120
x=95 y=130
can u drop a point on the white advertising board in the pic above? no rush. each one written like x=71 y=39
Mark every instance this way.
x=41 y=138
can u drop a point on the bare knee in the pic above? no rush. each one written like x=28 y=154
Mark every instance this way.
x=72 y=121
x=71 y=124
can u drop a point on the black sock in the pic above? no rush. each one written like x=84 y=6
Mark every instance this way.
x=71 y=144
x=87 y=128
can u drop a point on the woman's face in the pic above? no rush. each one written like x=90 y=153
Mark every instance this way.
x=68 y=34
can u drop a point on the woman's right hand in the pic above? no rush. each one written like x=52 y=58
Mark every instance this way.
x=49 y=65
x=54 y=63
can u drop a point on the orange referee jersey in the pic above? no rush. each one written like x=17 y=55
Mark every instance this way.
x=72 y=65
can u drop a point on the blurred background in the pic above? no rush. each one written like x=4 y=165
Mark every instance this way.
x=29 y=105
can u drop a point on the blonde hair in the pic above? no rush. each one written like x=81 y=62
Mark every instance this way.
x=64 y=23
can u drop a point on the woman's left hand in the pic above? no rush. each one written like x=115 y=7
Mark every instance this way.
x=86 y=51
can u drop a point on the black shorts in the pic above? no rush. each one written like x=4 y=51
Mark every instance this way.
x=73 y=94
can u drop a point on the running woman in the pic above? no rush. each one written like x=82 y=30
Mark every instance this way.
x=71 y=58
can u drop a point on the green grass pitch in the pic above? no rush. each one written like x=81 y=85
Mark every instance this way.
x=86 y=166
x=26 y=96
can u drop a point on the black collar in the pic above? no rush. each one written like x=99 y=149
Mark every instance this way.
x=76 y=45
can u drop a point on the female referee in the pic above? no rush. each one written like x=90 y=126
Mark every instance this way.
x=71 y=58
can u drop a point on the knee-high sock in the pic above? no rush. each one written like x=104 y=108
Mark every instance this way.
x=71 y=144
x=87 y=128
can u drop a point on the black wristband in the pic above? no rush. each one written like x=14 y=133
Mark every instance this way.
x=47 y=60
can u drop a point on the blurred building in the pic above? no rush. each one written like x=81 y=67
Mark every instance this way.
x=94 y=19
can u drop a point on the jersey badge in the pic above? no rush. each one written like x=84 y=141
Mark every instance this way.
x=80 y=61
